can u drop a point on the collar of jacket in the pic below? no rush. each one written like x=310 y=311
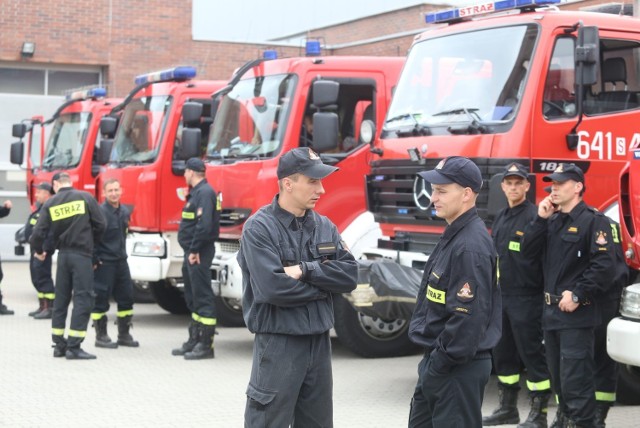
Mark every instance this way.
x=288 y=220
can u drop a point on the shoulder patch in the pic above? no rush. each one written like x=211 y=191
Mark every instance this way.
x=601 y=238
x=465 y=293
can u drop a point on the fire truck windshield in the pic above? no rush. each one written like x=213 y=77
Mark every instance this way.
x=252 y=117
x=67 y=140
x=477 y=76
x=141 y=130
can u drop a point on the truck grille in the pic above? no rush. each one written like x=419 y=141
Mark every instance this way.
x=227 y=246
x=234 y=216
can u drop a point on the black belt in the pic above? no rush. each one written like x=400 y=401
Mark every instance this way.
x=552 y=299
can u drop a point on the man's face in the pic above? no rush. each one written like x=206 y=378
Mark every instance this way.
x=564 y=192
x=187 y=176
x=515 y=189
x=42 y=196
x=448 y=200
x=113 y=192
x=305 y=191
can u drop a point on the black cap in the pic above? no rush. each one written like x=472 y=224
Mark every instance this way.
x=455 y=169
x=55 y=177
x=516 y=170
x=195 y=164
x=305 y=161
x=564 y=172
x=45 y=186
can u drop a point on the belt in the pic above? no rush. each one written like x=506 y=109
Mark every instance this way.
x=552 y=299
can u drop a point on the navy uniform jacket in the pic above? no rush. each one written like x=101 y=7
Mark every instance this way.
x=578 y=255
x=622 y=271
x=75 y=220
x=112 y=247
x=459 y=310
x=31 y=223
x=272 y=301
x=200 y=224
x=517 y=275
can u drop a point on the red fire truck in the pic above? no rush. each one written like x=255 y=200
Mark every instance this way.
x=145 y=149
x=497 y=84
x=70 y=147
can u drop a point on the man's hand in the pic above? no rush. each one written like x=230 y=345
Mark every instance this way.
x=546 y=208
x=194 y=258
x=40 y=256
x=8 y=204
x=567 y=304
x=293 y=271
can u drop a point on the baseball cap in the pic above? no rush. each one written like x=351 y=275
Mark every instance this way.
x=195 y=164
x=45 y=186
x=564 y=172
x=514 y=169
x=455 y=169
x=303 y=160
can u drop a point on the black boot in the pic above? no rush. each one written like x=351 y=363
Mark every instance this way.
x=75 y=352
x=191 y=342
x=3 y=309
x=41 y=303
x=560 y=420
x=124 y=337
x=59 y=346
x=602 y=409
x=538 y=414
x=507 y=411
x=204 y=348
x=46 y=312
x=102 y=338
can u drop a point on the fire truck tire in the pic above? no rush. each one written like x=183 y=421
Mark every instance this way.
x=229 y=312
x=628 y=385
x=168 y=297
x=142 y=292
x=370 y=337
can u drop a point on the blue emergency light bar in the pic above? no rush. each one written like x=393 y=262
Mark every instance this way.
x=177 y=73
x=269 y=54
x=483 y=9
x=312 y=48
x=86 y=93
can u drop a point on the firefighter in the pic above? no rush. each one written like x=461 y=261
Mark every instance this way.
x=5 y=209
x=457 y=318
x=197 y=234
x=111 y=275
x=292 y=260
x=76 y=224
x=41 y=270
x=576 y=246
x=522 y=299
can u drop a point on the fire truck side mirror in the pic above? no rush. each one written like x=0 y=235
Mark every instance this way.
x=587 y=56
x=17 y=152
x=191 y=112
x=19 y=130
x=325 y=93
x=104 y=151
x=108 y=126
x=325 y=131
x=190 y=147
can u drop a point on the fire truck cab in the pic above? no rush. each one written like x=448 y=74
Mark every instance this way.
x=500 y=83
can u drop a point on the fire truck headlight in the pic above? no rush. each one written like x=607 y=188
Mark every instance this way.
x=630 y=302
x=148 y=249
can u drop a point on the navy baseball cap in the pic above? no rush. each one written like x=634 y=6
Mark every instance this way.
x=514 y=169
x=455 y=169
x=564 y=172
x=303 y=160
x=195 y=164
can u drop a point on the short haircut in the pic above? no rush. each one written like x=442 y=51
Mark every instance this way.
x=63 y=178
x=109 y=181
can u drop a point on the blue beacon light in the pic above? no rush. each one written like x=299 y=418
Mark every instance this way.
x=86 y=93
x=176 y=74
x=483 y=9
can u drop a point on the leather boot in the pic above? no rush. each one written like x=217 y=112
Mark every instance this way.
x=204 y=348
x=507 y=411
x=191 y=342
x=560 y=420
x=102 y=338
x=47 y=310
x=124 y=337
x=3 y=309
x=602 y=409
x=41 y=303
x=538 y=414
x=59 y=346
x=75 y=352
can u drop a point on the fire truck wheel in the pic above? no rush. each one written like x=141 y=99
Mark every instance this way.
x=229 y=312
x=169 y=297
x=628 y=385
x=142 y=292
x=370 y=337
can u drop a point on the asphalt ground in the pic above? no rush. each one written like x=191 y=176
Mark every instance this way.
x=148 y=387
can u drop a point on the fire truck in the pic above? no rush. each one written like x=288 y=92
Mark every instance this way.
x=146 y=137
x=70 y=148
x=270 y=106
x=503 y=82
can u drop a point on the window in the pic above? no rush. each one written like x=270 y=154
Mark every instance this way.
x=559 y=94
x=34 y=81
